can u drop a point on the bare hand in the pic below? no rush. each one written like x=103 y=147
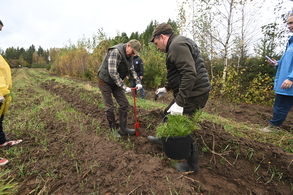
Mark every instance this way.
x=141 y=77
x=275 y=64
x=286 y=84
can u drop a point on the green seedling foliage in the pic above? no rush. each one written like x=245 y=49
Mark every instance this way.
x=169 y=185
x=128 y=178
x=249 y=153
x=273 y=174
x=255 y=170
x=7 y=185
x=176 y=126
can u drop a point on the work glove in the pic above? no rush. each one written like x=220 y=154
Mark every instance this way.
x=175 y=109
x=139 y=86
x=161 y=91
x=2 y=99
x=127 y=90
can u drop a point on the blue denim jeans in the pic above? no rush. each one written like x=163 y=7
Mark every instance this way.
x=141 y=90
x=282 y=106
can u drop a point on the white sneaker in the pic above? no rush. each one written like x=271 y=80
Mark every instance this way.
x=270 y=129
x=11 y=143
x=3 y=161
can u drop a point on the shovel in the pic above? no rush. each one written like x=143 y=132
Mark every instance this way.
x=136 y=123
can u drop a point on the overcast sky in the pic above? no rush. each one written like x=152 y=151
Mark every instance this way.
x=53 y=23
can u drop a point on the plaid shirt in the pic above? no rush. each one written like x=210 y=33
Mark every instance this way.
x=114 y=61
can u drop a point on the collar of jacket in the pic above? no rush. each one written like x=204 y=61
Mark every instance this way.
x=172 y=36
x=124 y=49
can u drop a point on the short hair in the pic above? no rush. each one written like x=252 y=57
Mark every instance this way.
x=291 y=15
x=158 y=36
x=1 y=23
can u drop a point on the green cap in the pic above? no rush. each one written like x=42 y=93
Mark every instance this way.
x=135 y=44
x=162 y=29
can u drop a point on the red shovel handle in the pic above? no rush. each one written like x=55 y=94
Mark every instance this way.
x=136 y=123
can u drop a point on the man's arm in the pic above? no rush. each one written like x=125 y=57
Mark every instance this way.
x=113 y=62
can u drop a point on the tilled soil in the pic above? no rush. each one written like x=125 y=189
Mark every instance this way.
x=228 y=165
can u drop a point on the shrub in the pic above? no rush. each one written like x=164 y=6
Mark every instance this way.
x=39 y=65
x=48 y=66
x=155 y=71
x=239 y=88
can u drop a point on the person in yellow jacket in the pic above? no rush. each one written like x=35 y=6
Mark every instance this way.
x=5 y=99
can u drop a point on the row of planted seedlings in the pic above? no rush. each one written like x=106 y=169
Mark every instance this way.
x=282 y=139
x=234 y=142
x=83 y=93
x=59 y=113
x=45 y=123
x=87 y=97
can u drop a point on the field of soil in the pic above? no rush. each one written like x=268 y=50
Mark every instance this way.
x=89 y=161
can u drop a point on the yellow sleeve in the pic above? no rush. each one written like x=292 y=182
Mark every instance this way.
x=5 y=84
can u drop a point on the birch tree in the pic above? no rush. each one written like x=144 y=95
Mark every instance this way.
x=218 y=20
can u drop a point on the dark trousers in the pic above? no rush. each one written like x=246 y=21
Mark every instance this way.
x=282 y=106
x=192 y=104
x=2 y=134
x=118 y=94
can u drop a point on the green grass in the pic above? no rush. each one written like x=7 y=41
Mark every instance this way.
x=31 y=104
x=7 y=183
x=146 y=104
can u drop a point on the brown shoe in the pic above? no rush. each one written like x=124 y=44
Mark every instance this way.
x=271 y=129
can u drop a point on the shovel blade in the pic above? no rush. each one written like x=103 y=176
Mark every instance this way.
x=136 y=129
x=136 y=132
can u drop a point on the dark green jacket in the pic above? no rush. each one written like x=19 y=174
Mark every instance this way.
x=186 y=72
x=123 y=68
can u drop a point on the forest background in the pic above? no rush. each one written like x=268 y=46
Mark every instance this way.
x=226 y=32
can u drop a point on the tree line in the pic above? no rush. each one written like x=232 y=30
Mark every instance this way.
x=236 y=65
x=31 y=57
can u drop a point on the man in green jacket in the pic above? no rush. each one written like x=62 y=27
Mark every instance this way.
x=116 y=65
x=187 y=78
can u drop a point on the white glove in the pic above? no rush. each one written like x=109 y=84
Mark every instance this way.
x=139 y=86
x=127 y=90
x=2 y=99
x=161 y=91
x=175 y=109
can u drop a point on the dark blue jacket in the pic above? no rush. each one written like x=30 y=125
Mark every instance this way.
x=138 y=65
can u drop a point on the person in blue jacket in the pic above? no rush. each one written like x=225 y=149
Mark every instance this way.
x=283 y=85
x=139 y=69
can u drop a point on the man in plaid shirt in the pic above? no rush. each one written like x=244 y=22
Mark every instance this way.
x=116 y=65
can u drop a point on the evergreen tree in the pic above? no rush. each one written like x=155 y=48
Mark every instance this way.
x=30 y=52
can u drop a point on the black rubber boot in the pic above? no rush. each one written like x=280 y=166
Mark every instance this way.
x=192 y=161
x=111 y=121
x=156 y=140
x=123 y=124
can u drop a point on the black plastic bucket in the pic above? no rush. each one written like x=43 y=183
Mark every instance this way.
x=177 y=147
